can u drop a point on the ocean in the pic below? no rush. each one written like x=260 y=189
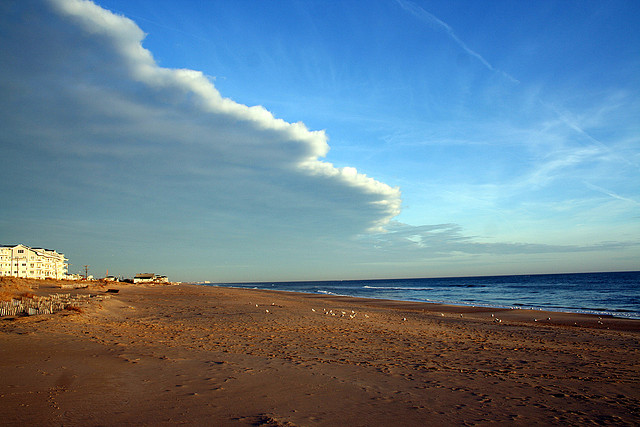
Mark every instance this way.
x=616 y=294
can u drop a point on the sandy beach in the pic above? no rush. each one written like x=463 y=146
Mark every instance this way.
x=188 y=354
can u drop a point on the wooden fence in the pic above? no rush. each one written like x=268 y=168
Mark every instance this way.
x=46 y=304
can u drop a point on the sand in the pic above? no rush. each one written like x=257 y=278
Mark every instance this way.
x=187 y=354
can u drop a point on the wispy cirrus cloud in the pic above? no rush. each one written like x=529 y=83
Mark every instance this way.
x=445 y=240
x=611 y=194
x=439 y=25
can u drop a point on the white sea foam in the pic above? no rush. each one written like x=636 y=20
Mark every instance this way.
x=398 y=288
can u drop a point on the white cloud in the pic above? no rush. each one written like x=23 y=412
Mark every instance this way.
x=101 y=133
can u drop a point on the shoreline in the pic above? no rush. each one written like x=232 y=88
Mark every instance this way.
x=601 y=294
x=196 y=354
x=538 y=316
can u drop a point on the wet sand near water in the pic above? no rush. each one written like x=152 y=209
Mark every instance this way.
x=187 y=354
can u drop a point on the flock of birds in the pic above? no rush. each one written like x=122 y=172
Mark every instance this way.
x=339 y=313
x=330 y=312
x=353 y=314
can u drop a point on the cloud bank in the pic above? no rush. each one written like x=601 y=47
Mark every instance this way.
x=123 y=164
x=101 y=135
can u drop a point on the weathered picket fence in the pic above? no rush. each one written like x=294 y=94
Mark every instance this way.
x=50 y=304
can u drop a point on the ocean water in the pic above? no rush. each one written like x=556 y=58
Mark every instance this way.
x=616 y=294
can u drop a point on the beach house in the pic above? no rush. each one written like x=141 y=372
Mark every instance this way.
x=150 y=278
x=34 y=263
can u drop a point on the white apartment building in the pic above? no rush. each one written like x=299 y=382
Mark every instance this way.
x=33 y=263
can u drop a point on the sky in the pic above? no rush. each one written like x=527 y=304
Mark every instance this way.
x=313 y=140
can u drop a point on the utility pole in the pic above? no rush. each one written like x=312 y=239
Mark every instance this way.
x=86 y=272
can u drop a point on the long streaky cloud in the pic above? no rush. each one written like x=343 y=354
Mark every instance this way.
x=611 y=194
x=440 y=25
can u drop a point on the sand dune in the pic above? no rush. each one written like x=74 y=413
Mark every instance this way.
x=217 y=356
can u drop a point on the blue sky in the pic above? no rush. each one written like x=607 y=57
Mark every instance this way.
x=295 y=140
